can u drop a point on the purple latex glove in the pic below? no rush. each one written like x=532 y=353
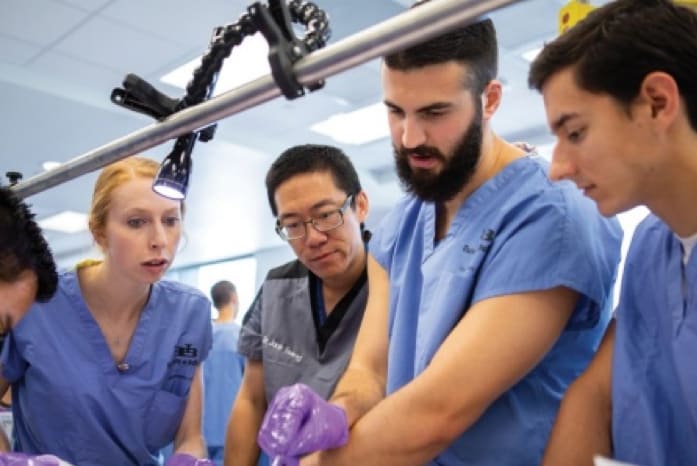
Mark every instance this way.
x=185 y=459
x=299 y=422
x=21 y=459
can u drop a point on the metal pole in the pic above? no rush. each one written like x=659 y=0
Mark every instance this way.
x=403 y=30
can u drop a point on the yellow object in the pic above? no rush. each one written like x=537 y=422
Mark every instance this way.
x=572 y=13
x=87 y=263
x=688 y=3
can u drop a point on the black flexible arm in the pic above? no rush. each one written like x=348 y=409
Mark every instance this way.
x=274 y=22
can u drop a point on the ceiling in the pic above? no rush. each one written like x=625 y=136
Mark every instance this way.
x=60 y=59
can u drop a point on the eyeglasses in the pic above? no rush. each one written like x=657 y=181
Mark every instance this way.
x=323 y=222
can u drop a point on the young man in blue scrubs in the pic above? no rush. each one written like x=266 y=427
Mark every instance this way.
x=490 y=286
x=303 y=323
x=621 y=97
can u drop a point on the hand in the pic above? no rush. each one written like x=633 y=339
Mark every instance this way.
x=298 y=422
x=185 y=459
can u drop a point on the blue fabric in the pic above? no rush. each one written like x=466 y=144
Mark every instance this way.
x=70 y=400
x=517 y=233
x=222 y=376
x=654 y=374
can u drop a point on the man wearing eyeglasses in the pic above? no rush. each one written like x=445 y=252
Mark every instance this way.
x=304 y=320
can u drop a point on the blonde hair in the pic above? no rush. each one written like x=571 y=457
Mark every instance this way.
x=112 y=177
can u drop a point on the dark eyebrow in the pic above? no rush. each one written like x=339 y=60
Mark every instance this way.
x=562 y=120
x=315 y=206
x=427 y=108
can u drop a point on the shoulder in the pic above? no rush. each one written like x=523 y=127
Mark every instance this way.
x=561 y=202
x=651 y=236
x=180 y=294
x=651 y=227
x=292 y=269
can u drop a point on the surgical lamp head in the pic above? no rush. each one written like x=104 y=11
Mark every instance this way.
x=172 y=180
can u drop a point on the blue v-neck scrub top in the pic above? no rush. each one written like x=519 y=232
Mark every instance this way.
x=69 y=398
x=517 y=233
x=654 y=370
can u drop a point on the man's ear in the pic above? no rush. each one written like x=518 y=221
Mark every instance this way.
x=362 y=204
x=491 y=98
x=661 y=93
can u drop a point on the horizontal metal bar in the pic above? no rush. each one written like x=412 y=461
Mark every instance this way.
x=389 y=36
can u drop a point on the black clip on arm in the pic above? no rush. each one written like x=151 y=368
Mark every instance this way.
x=138 y=95
x=274 y=22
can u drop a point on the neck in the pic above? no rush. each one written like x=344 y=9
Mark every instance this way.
x=226 y=314
x=496 y=154
x=110 y=294
x=672 y=181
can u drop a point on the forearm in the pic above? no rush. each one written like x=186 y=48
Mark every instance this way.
x=582 y=428
x=358 y=392
x=241 y=447
x=583 y=425
x=4 y=442
x=193 y=445
x=403 y=429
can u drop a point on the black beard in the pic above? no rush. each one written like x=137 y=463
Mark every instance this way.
x=457 y=170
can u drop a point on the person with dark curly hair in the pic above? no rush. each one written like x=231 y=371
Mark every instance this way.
x=27 y=269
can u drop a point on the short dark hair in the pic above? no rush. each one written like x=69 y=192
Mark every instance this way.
x=23 y=247
x=311 y=158
x=613 y=49
x=222 y=292
x=473 y=45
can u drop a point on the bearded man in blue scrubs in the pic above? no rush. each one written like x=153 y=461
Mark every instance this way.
x=489 y=286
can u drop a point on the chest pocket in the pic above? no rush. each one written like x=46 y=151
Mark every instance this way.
x=163 y=419
x=166 y=410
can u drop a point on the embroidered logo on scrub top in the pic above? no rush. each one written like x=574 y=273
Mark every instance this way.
x=486 y=238
x=185 y=354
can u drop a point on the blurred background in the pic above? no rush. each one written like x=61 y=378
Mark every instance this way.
x=60 y=60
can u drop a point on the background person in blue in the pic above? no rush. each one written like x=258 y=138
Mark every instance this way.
x=489 y=285
x=107 y=371
x=303 y=323
x=623 y=107
x=222 y=371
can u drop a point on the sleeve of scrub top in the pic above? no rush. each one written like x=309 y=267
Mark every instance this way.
x=250 y=341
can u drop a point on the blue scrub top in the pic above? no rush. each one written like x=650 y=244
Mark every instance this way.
x=222 y=377
x=516 y=233
x=68 y=397
x=654 y=374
